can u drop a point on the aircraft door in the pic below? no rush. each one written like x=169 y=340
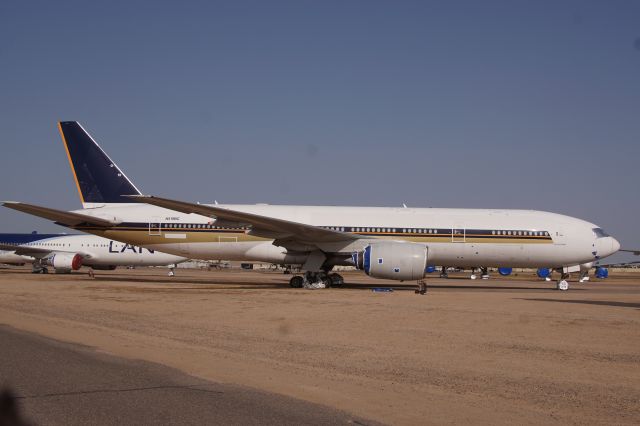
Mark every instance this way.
x=155 y=227
x=458 y=235
x=559 y=237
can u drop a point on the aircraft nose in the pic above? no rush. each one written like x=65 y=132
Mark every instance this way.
x=615 y=245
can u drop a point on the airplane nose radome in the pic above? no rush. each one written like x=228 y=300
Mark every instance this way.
x=615 y=245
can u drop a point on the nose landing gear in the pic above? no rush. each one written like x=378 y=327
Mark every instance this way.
x=563 y=284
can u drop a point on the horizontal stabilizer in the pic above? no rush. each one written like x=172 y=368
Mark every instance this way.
x=64 y=218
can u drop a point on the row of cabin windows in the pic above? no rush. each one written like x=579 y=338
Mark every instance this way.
x=43 y=244
x=342 y=229
x=420 y=231
x=196 y=226
x=374 y=230
x=436 y=231
x=37 y=244
x=522 y=233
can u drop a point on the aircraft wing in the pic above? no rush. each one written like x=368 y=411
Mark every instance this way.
x=636 y=252
x=619 y=264
x=22 y=250
x=261 y=225
x=69 y=219
x=38 y=252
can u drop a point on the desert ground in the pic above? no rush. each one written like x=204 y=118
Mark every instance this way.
x=502 y=351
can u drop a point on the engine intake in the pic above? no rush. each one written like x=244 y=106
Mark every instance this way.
x=65 y=262
x=393 y=260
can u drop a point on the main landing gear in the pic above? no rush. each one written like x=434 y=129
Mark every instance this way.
x=172 y=270
x=38 y=267
x=485 y=273
x=422 y=287
x=584 y=276
x=483 y=270
x=316 y=280
x=444 y=274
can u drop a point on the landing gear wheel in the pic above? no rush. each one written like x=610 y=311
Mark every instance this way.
x=296 y=282
x=336 y=280
x=485 y=273
x=563 y=285
x=45 y=271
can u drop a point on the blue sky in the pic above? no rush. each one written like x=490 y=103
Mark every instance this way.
x=514 y=104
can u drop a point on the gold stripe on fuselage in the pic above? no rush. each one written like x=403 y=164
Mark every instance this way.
x=142 y=236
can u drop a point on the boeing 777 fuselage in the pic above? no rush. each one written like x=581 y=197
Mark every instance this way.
x=394 y=243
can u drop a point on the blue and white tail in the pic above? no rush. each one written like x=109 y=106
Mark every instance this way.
x=99 y=180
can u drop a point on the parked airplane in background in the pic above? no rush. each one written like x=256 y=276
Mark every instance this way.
x=390 y=243
x=69 y=252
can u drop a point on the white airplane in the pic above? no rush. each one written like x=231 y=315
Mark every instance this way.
x=385 y=242
x=69 y=252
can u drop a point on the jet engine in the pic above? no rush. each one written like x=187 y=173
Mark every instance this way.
x=65 y=262
x=393 y=260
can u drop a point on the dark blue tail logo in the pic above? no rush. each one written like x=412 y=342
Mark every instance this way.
x=98 y=178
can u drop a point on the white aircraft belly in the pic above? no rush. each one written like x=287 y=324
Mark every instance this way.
x=260 y=251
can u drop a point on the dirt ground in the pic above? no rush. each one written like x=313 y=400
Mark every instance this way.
x=501 y=351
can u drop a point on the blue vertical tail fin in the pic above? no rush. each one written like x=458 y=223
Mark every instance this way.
x=98 y=179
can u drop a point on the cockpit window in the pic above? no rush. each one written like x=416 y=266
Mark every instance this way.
x=600 y=233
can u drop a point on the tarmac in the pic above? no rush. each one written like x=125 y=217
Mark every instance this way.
x=242 y=347
x=56 y=383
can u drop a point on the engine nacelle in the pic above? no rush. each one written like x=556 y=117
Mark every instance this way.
x=393 y=260
x=65 y=262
